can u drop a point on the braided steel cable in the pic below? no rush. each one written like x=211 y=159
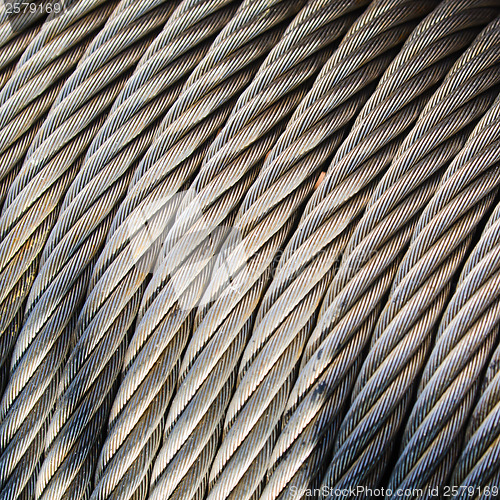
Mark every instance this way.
x=353 y=300
x=16 y=32
x=150 y=368
x=39 y=76
x=464 y=340
x=79 y=234
x=288 y=309
x=56 y=154
x=477 y=468
x=119 y=277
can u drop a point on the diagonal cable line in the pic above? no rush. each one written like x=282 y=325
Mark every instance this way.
x=55 y=156
x=366 y=436
x=17 y=30
x=288 y=309
x=176 y=288
x=79 y=232
x=431 y=440
x=120 y=274
x=40 y=74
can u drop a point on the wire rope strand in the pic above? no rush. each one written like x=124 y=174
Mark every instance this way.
x=17 y=30
x=84 y=221
x=257 y=430
x=120 y=274
x=235 y=156
x=306 y=266
x=39 y=75
x=54 y=158
x=466 y=335
x=476 y=472
x=353 y=301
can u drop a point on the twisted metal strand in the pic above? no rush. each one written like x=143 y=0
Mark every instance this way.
x=55 y=156
x=305 y=268
x=236 y=155
x=363 y=443
x=477 y=466
x=84 y=221
x=120 y=274
x=467 y=333
x=262 y=366
x=39 y=76
x=16 y=32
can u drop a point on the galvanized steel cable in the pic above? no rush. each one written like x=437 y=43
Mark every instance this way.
x=353 y=302
x=78 y=235
x=251 y=130
x=477 y=465
x=431 y=440
x=40 y=74
x=304 y=270
x=56 y=154
x=17 y=30
x=121 y=273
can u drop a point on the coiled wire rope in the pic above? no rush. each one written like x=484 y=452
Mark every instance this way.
x=54 y=158
x=39 y=76
x=120 y=274
x=78 y=234
x=431 y=440
x=151 y=362
x=365 y=438
x=477 y=467
x=271 y=358
x=17 y=30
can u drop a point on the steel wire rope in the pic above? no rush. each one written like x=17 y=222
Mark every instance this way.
x=79 y=232
x=477 y=467
x=467 y=333
x=353 y=301
x=151 y=362
x=16 y=33
x=305 y=268
x=120 y=274
x=39 y=75
x=54 y=158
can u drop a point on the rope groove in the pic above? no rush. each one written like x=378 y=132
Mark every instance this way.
x=119 y=276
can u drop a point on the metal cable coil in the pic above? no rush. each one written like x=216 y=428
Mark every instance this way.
x=431 y=440
x=39 y=76
x=16 y=33
x=87 y=384
x=365 y=438
x=301 y=278
x=78 y=235
x=477 y=467
x=33 y=201
x=177 y=285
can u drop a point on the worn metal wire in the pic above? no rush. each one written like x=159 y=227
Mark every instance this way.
x=39 y=76
x=352 y=304
x=477 y=467
x=16 y=33
x=55 y=156
x=151 y=365
x=78 y=234
x=431 y=440
x=119 y=276
x=306 y=266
